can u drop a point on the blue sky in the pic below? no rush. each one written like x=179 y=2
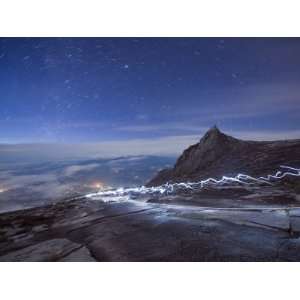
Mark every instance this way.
x=123 y=91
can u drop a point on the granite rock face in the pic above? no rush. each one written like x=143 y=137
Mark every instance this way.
x=218 y=154
x=86 y=230
x=50 y=250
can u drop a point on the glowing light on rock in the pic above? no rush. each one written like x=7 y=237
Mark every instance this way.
x=170 y=188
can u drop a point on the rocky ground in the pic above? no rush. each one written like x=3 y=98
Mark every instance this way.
x=257 y=226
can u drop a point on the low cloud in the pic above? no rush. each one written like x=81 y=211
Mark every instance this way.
x=72 y=170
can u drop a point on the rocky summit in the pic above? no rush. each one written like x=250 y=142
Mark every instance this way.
x=218 y=154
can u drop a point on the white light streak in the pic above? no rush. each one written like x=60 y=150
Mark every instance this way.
x=169 y=188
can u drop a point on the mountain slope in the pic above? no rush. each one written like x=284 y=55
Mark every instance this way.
x=218 y=154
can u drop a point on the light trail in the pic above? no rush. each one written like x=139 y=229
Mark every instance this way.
x=169 y=188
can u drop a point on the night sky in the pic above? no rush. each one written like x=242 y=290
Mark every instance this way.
x=76 y=90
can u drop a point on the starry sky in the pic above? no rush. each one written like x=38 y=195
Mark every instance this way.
x=104 y=90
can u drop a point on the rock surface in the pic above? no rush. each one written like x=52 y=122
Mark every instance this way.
x=50 y=250
x=86 y=230
x=218 y=154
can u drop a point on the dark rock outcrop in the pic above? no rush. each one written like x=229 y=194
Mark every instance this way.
x=218 y=154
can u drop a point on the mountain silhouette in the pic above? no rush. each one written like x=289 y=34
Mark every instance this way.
x=218 y=154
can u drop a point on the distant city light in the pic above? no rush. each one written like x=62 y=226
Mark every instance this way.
x=97 y=185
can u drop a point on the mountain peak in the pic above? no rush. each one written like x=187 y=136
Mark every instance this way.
x=214 y=130
x=218 y=154
x=213 y=133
